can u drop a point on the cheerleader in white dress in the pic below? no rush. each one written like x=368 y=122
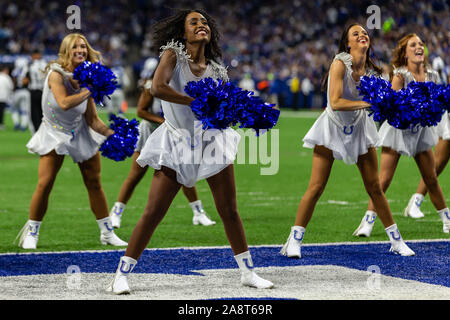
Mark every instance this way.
x=441 y=157
x=345 y=132
x=70 y=127
x=188 y=40
x=148 y=110
x=409 y=65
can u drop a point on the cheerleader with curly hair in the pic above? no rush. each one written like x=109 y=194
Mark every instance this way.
x=148 y=109
x=189 y=52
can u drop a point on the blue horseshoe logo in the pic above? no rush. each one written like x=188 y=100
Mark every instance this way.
x=296 y=235
x=414 y=129
x=129 y=267
x=371 y=220
x=398 y=237
x=247 y=264
x=351 y=130
x=197 y=141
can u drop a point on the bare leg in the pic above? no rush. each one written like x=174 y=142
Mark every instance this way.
x=90 y=170
x=426 y=164
x=223 y=189
x=388 y=165
x=321 y=167
x=49 y=166
x=190 y=193
x=134 y=177
x=163 y=190
x=368 y=167
x=442 y=155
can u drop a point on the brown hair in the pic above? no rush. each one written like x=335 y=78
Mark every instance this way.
x=343 y=47
x=399 y=55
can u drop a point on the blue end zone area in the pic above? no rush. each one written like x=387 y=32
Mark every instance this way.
x=429 y=265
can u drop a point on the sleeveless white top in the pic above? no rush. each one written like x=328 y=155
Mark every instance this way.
x=348 y=134
x=180 y=143
x=64 y=131
x=416 y=138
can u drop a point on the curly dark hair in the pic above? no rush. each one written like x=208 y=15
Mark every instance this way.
x=172 y=28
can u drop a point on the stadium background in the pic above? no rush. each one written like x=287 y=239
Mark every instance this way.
x=281 y=48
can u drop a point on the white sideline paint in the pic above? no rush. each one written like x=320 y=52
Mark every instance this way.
x=227 y=246
x=324 y=282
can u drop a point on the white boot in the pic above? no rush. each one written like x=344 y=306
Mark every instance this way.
x=29 y=235
x=119 y=285
x=249 y=278
x=445 y=217
x=200 y=216
x=116 y=214
x=292 y=247
x=398 y=246
x=366 y=225
x=107 y=235
x=413 y=208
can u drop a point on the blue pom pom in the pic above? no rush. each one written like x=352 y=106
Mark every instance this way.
x=122 y=143
x=219 y=105
x=419 y=103
x=99 y=79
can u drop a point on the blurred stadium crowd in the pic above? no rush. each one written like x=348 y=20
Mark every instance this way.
x=281 y=49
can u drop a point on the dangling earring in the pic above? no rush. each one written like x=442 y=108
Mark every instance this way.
x=348 y=49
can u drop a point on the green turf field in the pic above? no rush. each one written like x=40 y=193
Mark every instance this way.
x=267 y=203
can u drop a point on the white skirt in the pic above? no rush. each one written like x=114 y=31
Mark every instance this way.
x=346 y=146
x=82 y=146
x=145 y=130
x=408 y=142
x=193 y=158
x=443 y=128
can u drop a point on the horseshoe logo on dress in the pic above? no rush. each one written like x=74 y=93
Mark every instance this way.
x=350 y=132
x=414 y=129
x=197 y=141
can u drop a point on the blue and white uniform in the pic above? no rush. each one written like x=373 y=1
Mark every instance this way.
x=64 y=131
x=348 y=134
x=416 y=138
x=180 y=143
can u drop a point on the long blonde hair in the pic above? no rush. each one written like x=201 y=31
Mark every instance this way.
x=65 y=53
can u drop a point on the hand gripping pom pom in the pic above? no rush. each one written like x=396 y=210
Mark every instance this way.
x=99 y=79
x=219 y=105
x=419 y=103
x=122 y=143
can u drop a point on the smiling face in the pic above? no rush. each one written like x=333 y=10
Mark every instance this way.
x=79 y=52
x=415 y=51
x=358 y=38
x=196 y=28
